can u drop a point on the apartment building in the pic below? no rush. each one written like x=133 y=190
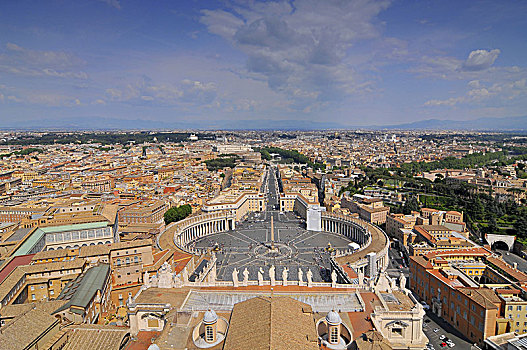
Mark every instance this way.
x=27 y=283
x=449 y=281
x=144 y=212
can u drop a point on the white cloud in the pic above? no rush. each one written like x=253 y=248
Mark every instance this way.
x=301 y=45
x=499 y=94
x=188 y=91
x=44 y=99
x=22 y=61
x=113 y=3
x=480 y=59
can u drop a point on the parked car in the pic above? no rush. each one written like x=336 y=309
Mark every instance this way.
x=443 y=344
x=442 y=337
x=436 y=330
x=451 y=344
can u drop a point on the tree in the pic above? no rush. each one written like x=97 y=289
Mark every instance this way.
x=493 y=225
x=411 y=204
x=177 y=213
x=521 y=225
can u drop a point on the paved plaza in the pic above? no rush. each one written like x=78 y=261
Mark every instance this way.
x=248 y=245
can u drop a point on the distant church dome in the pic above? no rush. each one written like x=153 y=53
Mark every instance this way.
x=333 y=318
x=210 y=317
x=153 y=347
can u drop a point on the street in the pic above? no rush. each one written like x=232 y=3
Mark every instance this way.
x=512 y=258
x=444 y=329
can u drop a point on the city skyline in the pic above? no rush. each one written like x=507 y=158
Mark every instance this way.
x=343 y=63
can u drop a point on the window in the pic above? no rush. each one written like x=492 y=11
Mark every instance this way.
x=334 y=336
x=397 y=331
x=33 y=297
x=50 y=283
x=52 y=292
x=465 y=315
x=118 y=262
x=127 y=260
x=153 y=323
x=509 y=308
x=32 y=287
x=209 y=334
x=136 y=259
x=519 y=308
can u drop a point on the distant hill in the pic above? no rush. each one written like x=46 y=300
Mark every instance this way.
x=499 y=124
x=102 y=123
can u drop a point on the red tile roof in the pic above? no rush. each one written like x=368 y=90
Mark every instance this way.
x=16 y=261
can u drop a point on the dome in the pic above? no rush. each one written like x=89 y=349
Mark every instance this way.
x=153 y=347
x=210 y=317
x=333 y=318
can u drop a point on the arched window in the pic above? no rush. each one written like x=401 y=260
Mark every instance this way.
x=118 y=262
x=209 y=334
x=127 y=260
x=136 y=259
x=334 y=335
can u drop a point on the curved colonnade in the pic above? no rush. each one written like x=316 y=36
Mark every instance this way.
x=370 y=238
x=192 y=228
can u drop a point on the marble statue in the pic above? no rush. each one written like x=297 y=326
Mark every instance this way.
x=309 y=278
x=393 y=283
x=360 y=277
x=260 y=276
x=146 y=279
x=184 y=274
x=165 y=279
x=245 y=277
x=235 y=277
x=272 y=275
x=333 y=279
x=285 y=273
x=300 y=277
x=402 y=282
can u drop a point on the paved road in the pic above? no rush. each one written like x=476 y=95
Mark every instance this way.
x=444 y=329
x=512 y=258
x=395 y=261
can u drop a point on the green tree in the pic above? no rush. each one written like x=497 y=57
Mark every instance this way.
x=411 y=204
x=177 y=213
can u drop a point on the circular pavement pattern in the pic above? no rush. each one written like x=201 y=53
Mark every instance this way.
x=249 y=247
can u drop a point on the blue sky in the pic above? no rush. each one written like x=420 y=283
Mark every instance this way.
x=345 y=61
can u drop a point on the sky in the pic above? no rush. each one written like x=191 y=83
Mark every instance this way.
x=351 y=62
